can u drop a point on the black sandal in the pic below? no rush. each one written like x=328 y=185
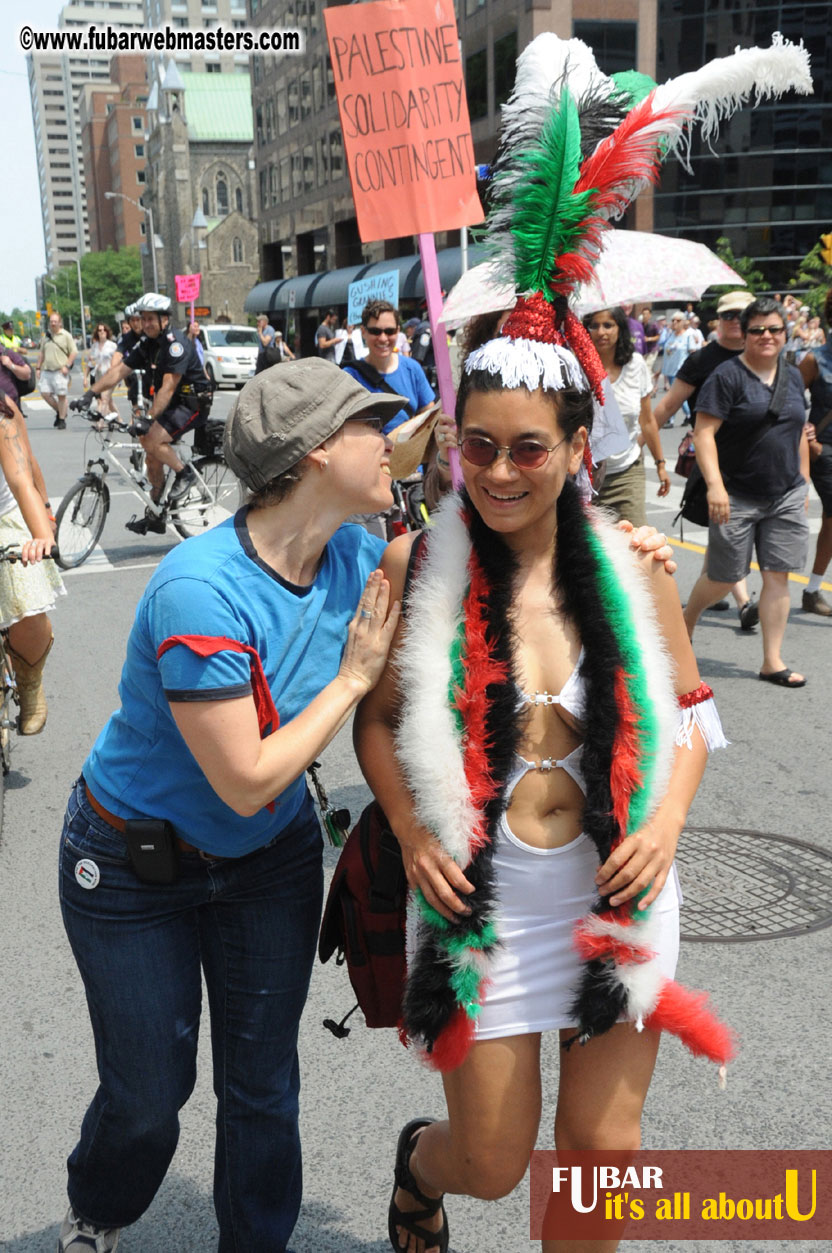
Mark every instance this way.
x=410 y=1220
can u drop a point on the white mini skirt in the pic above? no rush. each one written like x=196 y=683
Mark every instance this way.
x=542 y=894
x=25 y=590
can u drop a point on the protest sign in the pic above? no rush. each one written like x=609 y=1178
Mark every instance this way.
x=404 y=115
x=187 y=287
x=377 y=287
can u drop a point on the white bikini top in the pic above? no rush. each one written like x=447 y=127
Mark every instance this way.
x=572 y=698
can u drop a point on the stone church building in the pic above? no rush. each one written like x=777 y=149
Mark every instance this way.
x=200 y=188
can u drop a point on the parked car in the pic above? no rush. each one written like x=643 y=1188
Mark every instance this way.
x=230 y=353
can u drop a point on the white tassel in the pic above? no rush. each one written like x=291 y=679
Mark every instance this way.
x=705 y=716
x=528 y=363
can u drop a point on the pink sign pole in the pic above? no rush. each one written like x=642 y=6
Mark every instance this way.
x=433 y=292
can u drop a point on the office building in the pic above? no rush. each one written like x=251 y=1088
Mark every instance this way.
x=55 y=80
x=191 y=16
x=767 y=184
x=113 y=124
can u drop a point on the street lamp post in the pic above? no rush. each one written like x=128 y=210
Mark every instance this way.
x=118 y=195
x=77 y=260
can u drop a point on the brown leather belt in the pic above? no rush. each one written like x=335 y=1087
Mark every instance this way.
x=115 y=821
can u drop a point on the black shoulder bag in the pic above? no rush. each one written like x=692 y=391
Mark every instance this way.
x=377 y=381
x=695 y=496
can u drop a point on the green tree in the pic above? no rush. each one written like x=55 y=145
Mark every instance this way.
x=814 y=277
x=110 y=279
x=752 y=278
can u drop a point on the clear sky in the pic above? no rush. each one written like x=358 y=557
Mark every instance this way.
x=21 y=228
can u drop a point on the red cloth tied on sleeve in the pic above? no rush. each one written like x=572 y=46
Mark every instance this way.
x=268 y=719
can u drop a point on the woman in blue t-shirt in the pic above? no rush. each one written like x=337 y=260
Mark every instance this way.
x=190 y=844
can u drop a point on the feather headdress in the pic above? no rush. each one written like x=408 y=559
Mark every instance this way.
x=577 y=148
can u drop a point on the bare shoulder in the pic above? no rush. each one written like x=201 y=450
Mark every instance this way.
x=665 y=595
x=394 y=561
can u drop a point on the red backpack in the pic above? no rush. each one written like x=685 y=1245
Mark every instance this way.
x=364 y=920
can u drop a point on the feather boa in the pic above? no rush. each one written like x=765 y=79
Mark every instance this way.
x=456 y=742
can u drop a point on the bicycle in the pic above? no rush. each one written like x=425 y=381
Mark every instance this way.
x=83 y=511
x=9 y=697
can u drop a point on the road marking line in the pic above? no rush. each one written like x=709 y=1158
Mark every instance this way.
x=699 y=548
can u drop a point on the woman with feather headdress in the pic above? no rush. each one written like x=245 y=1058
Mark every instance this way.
x=542 y=706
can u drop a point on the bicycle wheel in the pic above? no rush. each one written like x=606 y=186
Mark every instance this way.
x=80 y=520
x=195 y=513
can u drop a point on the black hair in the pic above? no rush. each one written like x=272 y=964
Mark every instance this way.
x=624 y=347
x=278 y=488
x=762 y=307
x=573 y=409
x=375 y=308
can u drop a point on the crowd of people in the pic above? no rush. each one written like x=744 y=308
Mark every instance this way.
x=254 y=644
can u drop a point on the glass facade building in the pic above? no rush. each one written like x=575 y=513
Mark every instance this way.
x=767 y=184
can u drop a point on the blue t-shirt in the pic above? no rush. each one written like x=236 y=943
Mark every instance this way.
x=409 y=380
x=216 y=585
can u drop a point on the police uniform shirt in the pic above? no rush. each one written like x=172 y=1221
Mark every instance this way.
x=127 y=341
x=171 y=352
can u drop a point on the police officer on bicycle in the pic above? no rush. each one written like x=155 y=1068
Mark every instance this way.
x=181 y=394
x=127 y=340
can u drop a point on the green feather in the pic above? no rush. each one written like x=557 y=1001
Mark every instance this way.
x=466 y=984
x=619 y=614
x=547 y=218
x=457 y=679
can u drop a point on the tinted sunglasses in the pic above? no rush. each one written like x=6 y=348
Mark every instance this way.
x=730 y=315
x=526 y=454
x=765 y=330
x=382 y=330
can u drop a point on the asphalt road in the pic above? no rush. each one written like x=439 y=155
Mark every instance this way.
x=357 y=1092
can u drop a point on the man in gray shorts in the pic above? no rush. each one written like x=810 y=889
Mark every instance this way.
x=55 y=360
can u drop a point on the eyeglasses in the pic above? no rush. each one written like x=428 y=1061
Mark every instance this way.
x=526 y=454
x=730 y=315
x=382 y=330
x=765 y=330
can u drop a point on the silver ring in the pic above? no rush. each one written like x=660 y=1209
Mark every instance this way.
x=365 y=613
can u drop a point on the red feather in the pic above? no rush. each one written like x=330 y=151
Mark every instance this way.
x=590 y=945
x=624 y=771
x=453 y=1042
x=687 y=1015
x=631 y=153
x=471 y=701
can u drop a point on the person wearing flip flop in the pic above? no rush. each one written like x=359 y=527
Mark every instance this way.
x=816 y=372
x=762 y=501
x=522 y=707
x=686 y=387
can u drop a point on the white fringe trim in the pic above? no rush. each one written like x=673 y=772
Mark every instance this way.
x=705 y=716
x=527 y=363
x=427 y=741
x=659 y=664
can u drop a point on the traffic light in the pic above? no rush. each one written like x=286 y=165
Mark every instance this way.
x=37 y=318
x=826 y=248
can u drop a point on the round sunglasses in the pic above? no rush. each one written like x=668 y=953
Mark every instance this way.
x=526 y=454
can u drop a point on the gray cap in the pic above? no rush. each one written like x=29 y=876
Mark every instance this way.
x=289 y=409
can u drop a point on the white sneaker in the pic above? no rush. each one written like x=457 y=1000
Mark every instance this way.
x=76 y=1236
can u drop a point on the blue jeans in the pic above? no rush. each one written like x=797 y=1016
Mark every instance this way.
x=250 y=925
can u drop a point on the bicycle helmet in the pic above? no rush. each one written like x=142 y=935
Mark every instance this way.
x=153 y=302
x=132 y=311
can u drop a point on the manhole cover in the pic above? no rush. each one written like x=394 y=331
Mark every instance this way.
x=751 y=885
